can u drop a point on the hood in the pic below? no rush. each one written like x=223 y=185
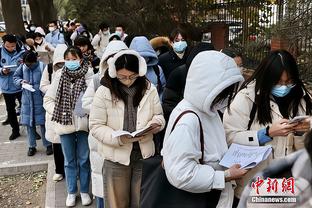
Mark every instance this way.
x=58 y=55
x=40 y=30
x=112 y=47
x=209 y=74
x=141 y=45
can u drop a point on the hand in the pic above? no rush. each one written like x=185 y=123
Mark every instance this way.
x=6 y=71
x=281 y=128
x=47 y=48
x=235 y=172
x=302 y=126
x=24 y=82
x=126 y=139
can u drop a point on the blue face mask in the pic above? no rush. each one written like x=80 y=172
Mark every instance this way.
x=281 y=90
x=118 y=33
x=180 y=46
x=72 y=65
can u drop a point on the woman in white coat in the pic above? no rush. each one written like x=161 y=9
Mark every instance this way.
x=211 y=82
x=126 y=101
x=96 y=153
x=259 y=114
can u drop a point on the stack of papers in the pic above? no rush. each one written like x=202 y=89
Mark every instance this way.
x=246 y=156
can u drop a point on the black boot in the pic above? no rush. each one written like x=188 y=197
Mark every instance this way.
x=14 y=135
x=38 y=137
x=31 y=151
x=49 y=150
x=6 y=122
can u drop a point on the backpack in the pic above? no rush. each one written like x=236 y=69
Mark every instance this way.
x=159 y=85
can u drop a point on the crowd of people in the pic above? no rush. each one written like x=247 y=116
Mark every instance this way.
x=81 y=89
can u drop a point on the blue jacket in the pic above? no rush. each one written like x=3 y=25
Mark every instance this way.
x=32 y=111
x=55 y=38
x=6 y=80
x=144 y=48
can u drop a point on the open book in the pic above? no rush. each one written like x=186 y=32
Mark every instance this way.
x=136 y=133
x=246 y=156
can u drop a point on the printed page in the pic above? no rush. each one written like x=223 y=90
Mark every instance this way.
x=246 y=156
x=28 y=87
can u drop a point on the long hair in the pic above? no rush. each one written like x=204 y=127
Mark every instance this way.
x=131 y=63
x=267 y=75
x=228 y=92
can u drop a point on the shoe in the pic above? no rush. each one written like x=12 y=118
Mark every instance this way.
x=6 y=122
x=71 y=200
x=38 y=137
x=85 y=199
x=32 y=151
x=49 y=150
x=57 y=177
x=14 y=135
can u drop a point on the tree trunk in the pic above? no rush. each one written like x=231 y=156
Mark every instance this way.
x=12 y=14
x=42 y=12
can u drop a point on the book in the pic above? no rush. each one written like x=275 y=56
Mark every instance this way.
x=28 y=87
x=9 y=66
x=246 y=156
x=137 y=133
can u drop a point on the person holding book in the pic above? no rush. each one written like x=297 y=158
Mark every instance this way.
x=260 y=112
x=126 y=100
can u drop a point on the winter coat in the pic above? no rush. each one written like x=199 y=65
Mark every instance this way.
x=236 y=125
x=44 y=55
x=96 y=158
x=6 y=80
x=55 y=38
x=181 y=150
x=58 y=57
x=297 y=165
x=78 y=123
x=107 y=115
x=143 y=47
x=99 y=43
x=32 y=111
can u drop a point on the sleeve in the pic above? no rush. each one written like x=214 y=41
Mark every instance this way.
x=73 y=36
x=98 y=121
x=95 y=41
x=61 y=40
x=49 y=98
x=51 y=47
x=18 y=76
x=181 y=154
x=158 y=115
x=236 y=121
x=262 y=137
x=88 y=96
x=44 y=82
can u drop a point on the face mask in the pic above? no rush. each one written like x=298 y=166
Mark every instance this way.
x=281 y=90
x=221 y=106
x=51 y=29
x=118 y=33
x=72 y=65
x=32 y=28
x=106 y=32
x=180 y=46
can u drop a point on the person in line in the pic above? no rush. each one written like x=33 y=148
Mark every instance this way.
x=101 y=39
x=96 y=153
x=33 y=113
x=54 y=36
x=11 y=56
x=63 y=102
x=43 y=48
x=48 y=75
x=120 y=31
x=215 y=88
x=267 y=100
x=125 y=101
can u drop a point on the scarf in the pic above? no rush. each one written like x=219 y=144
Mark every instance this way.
x=67 y=95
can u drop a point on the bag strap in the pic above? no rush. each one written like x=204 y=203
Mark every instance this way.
x=252 y=115
x=202 y=144
x=50 y=71
x=157 y=72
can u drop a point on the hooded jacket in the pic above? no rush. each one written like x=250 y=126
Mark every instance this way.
x=55 y=38
x=144 y=48
x=209 y=74
x=96 y=149
x=99 y=43
x=58 y=57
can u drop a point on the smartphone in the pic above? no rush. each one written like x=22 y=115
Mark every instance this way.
x=297 y=119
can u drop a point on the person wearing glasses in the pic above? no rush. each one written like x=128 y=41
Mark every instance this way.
x=261 y=111
x=126 y=100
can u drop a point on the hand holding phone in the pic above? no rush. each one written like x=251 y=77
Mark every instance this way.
x=298 y=119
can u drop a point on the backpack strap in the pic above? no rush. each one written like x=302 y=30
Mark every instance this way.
x=157 y=72
x=252 y=115
x=202 y=144
x=50 y=71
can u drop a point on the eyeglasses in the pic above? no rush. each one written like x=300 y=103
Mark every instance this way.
x=124 y=78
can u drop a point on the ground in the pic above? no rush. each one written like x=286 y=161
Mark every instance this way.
x=23 y=190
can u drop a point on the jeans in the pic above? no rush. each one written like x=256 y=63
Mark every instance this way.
x=76 y=153
x=31 y=134
x=99 y=202
x=10 y=107
x=58 y=158
x=122 y=183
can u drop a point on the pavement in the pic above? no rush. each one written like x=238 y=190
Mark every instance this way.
x=14 y=160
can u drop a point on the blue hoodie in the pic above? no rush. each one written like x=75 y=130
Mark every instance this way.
x=144 y=48
x=6 y=80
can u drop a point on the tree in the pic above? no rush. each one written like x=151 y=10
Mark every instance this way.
x=12 y=14
x=42 y=12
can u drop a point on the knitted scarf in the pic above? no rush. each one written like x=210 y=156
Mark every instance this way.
x=67 y=95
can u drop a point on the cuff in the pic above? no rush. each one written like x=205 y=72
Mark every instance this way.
x=218 y=180
x=263 y=137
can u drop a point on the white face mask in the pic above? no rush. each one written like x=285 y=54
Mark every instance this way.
x=51 y=29
x=106 y=32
